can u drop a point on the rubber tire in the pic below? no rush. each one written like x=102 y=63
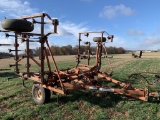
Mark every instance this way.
x=45 y=94
x=98 y=39
x=17 y=25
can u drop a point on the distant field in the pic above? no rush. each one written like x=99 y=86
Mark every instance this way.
x=5 y=62
x=144 y=55
x=16 y=101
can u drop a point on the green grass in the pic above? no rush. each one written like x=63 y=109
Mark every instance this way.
x=16 y=101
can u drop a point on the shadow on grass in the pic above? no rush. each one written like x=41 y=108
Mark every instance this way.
x=103 y=100
x=108 y=100
x=7 y=74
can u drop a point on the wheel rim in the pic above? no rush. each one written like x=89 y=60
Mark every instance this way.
x=38 y=93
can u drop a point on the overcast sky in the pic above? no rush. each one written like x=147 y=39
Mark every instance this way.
x=134 y=23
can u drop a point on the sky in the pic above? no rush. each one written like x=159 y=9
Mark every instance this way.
x=135 y=24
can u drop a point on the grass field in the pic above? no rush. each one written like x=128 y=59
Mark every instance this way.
x=16 y=101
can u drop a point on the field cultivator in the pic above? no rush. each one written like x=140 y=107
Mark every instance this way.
x=62 y=81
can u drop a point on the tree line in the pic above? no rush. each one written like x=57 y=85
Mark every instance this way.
x=70 y=50
x=5 y=55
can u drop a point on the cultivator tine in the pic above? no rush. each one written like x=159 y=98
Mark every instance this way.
x=23 y=81
x=30 y=40
x=4 y=69
x=11 y=65
x=10 y=78
x=23 y=84
x=13 y=50
x=6 y=44
x=7 y=35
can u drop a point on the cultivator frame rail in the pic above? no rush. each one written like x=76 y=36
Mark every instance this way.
x=71 y=79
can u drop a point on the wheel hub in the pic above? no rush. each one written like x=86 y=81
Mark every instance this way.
x=38 y=93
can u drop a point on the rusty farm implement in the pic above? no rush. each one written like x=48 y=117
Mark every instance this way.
x=65 y=81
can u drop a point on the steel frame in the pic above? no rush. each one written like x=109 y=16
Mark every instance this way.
x=69 y=80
